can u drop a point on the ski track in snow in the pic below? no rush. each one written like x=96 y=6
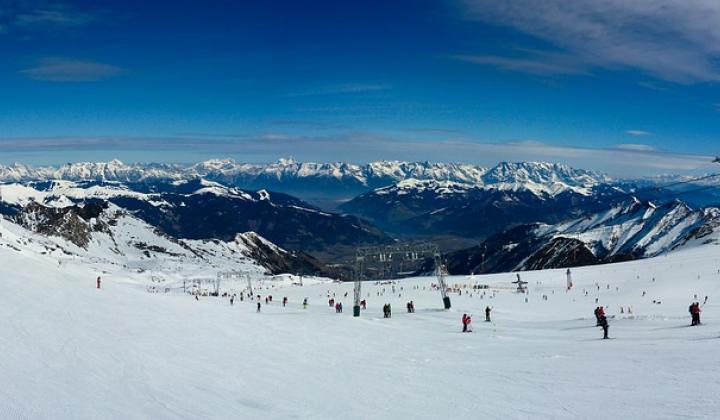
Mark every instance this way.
x=72 y=351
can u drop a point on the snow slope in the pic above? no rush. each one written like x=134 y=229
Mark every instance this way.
x=121 y=243
x=72 y=351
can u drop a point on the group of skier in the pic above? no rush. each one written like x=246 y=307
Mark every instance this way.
x=601 y=318
x=411 y=307
x=467 y=320
x=694 y=310
x=387 y=311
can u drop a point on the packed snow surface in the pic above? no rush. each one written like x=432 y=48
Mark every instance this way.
x=70 y=350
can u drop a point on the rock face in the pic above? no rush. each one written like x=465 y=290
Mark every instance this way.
x=277 y=260
x=73 y=223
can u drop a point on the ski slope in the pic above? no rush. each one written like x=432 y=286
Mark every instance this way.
x=72 y=351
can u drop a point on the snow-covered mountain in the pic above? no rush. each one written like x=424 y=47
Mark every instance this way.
x=431 y=207
x=200 y=209
x=335 y=179
x=108 y=236
x=629 y=230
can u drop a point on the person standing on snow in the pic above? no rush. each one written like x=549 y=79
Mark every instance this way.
x=232 y=300
x=604 y=324
x=695 y=311
x=600 y=315
x=285 y=301
x=597 y=316
x=487 y=313
x=691 y=311
x=258 y=306
x=98 y=282
x=305 y=303
x=465 y=323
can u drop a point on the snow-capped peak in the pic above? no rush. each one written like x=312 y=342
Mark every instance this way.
x=539 y=177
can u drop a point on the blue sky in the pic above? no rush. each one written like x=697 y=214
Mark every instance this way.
x=626 y=88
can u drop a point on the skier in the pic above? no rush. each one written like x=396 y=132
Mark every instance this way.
x=266 y=300
x=389 y=311
x=305 y=303
x=340 y=308
x=258 y=306
x=691 y=311
x=196 y=297
x=285 y=301
x=597 y=316
x=232 y=300
x=465 y=322
x=487 y=313
x=695 y=311
x=605 y=326
x=363 y=304
x=98 y=282
x=331 y=302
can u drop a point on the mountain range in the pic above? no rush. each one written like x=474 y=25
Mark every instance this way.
x=511 y=216
x=323 y=181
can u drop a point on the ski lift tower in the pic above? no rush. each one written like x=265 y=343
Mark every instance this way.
x=386 y=255
x=520 y=284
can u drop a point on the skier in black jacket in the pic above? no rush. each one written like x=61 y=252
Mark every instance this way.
x=604 y=324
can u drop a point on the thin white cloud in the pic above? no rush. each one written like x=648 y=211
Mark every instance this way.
x=341 y=89
x=69 y=70
x=48 y=17
x=33 y=15
x=638 y=133
x=536 y=63
x=677 y=41
x=635 y=147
